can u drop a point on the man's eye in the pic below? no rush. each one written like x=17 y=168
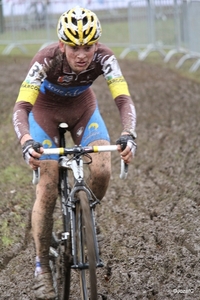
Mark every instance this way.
x=88 y=48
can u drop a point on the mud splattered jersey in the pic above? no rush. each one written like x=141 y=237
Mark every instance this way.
x=50 y=82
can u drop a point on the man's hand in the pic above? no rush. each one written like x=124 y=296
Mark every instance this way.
x=127 y=147
x=31 y=152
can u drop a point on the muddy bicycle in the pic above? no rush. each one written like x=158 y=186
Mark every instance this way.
x=76 y=247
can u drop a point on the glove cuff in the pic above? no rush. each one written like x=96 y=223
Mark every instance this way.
x=28 y=144
x=131 y=132
x=122 y=141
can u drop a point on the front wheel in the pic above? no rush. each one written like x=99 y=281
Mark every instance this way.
x=86 y=255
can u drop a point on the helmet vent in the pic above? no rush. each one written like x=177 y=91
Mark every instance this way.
x=86 y=33
x=73 y=33
x=74 y=21
x=85 y=20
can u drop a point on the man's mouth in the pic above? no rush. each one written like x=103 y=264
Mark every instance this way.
x=81 y=63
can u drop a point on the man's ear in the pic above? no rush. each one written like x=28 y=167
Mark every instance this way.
x=62 y=46
x=96 y=46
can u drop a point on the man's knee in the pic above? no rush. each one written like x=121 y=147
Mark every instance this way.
x=48 y=184
x=104 y=172
x=100 y=175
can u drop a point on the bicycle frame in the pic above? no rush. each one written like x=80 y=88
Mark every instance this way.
x=69 y=199
x=71 y=160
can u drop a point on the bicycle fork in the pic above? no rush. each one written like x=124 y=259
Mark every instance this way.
x=76 y=264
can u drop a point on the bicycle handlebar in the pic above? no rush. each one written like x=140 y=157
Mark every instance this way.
x=81 y=150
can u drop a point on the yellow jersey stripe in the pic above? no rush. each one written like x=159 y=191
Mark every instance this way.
x=28 y=92
x=118 y=86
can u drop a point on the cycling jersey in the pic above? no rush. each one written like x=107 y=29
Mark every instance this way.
x=53 y=93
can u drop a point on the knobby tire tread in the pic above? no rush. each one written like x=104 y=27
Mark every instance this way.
x=67 y=270
x=88 y=240
x=61 y=271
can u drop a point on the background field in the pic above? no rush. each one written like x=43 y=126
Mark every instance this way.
x=150 y=222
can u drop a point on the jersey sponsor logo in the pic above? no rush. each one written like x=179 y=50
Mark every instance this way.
x=47 y=143
x=116 y=80
x=62 y=91
x=28 y=92
x=17 y=123
x=65 y=78
x=93 y=126
x=30 y=86
x=80 y=131
x=118 y=87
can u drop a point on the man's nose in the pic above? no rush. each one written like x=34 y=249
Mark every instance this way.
x=81 y=53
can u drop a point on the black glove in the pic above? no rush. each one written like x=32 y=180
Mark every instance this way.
x=127 y=140
x=27 y=148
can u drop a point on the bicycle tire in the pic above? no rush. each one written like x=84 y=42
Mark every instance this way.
x=60 y=263
x=85 y=248
x=64 y=259
x=61 y=270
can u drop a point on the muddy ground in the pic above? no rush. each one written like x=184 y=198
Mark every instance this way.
x=150 y=222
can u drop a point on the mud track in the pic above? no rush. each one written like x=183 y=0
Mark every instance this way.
x=150 y=222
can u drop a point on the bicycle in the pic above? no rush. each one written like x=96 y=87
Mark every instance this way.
x=77 y=246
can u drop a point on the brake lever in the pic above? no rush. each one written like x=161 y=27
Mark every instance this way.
x=36 y=176
x=124 y=170
x=36 y=173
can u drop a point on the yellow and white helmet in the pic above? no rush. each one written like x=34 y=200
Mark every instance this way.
x=79 y=26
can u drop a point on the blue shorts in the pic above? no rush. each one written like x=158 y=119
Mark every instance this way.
x=94 y=130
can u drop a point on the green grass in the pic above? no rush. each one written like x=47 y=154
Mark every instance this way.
x=10 y=173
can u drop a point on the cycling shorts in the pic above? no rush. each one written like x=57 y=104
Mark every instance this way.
x=94 y=130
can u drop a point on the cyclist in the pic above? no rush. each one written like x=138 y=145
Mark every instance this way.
x=57 y=89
